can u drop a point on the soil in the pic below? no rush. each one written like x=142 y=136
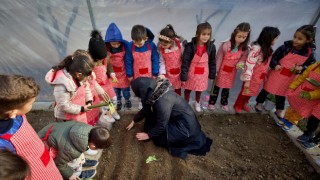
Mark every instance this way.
x=245 y=146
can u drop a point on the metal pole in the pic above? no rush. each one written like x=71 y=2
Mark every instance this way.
x=93 y=22
x=316 y=17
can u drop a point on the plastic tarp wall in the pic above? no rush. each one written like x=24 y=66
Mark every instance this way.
x=37 y=34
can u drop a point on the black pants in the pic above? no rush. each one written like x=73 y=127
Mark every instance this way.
x=312 y=126
x=224 y=96
x=280 y=100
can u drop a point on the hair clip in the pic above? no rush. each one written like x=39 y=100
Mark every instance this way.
x=164 y=38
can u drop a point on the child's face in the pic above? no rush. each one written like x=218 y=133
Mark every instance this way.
x=274 y=41
x=299 y=40
x=240 y=37
x=115 y=44
x=205 y=36
x=21 y=111
x=165 y=45
x=139 y=43
x=81 y=77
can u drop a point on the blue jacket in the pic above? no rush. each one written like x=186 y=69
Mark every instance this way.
x=144 y=48
x=113 y=34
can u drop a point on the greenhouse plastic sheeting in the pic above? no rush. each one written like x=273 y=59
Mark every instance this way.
x=37 y=34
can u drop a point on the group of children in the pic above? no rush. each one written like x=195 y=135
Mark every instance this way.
x=101 y=75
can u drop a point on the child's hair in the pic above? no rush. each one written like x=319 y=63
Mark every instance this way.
x=309 y=31
x=16 y=91
x=138 y=33
x=97 y=47
x=78 y=62
x=201 y=27
x=243 y=27
x=167 y=34
x=267 y=35
x=100 y=137
x=13 y=167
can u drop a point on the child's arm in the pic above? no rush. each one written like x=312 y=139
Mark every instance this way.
x=212 y=62
x=251 y=61
x=154 y=59
x=301 y=78
x=129 y=61
x=223 y=49
x=109 y=66
x=88 y=93
x=277 y=56
x=162 y=69
x=65 y=170
x=63 y=98
x=243 y=58
x=309 y=61
x=186 y=60
x=139 y=116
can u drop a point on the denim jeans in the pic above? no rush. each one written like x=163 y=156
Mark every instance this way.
x=125 y=93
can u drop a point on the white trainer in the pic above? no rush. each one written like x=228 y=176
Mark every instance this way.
x=197 y=106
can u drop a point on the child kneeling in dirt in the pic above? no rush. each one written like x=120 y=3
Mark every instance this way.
x=68 y=141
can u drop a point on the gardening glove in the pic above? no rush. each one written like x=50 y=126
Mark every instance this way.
x=306 y=95
x=113 y=77
x=240 y=65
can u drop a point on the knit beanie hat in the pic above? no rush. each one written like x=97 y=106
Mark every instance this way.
x=97 y=46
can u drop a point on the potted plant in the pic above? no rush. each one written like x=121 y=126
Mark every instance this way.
x=270 y=102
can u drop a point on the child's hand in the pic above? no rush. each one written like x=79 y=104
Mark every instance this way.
x=161 y=76
x=154 y=77
x=278 y=68
x=130 y=78
x=130 y=126
x=240 y=65
x=142 y=136
x=246 y=84
x=86 y=108
x=74 y=177
x=183 y=83
x=113 y=77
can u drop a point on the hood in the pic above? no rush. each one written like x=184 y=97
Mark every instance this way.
x=61 y=77
x=79 y=136
x=308 y=45
x=150 y=35
x=143 y=87
x=113 y=34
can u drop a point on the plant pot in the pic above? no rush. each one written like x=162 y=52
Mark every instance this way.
x=269 y=105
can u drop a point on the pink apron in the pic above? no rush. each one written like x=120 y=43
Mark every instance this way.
x=198 y=73
x=278 y=81
x=103 y=80
x=142 y=63
x=117 y=62
x=300 y=105
x=93 y=115
x=29 y=146
x=316 y=111
x=227 y=72
x=173 y=65
x=258 y=75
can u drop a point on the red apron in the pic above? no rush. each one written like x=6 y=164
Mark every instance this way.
x=173 y=63
x=198 y=73
x=227 y=72
x=259 y=73
x=300 y=105
x=316 y=111
x=117 y=62
x=29 y=146
x=278 y=81
x=93 y=115
x=142 y=65
x=103 y=80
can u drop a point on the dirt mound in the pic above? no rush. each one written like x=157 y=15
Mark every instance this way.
x=246 y=146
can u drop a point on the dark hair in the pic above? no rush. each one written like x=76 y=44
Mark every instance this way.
x=16 y=91
x=138 y=33
x=267 y=35
x=169 y=32
x=242 y=27
x=13 y=167
x=100 y=137
x=97 y=47
x=309 y=31
x=78 y=62
x=201 y=27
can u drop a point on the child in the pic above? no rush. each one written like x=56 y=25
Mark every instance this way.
x=142 y=58
x=302 y=97
x=287 y=62
x=256 y=68
x=198 y=63
x=98 y=52
x=116 y=48
x=71 y=89
x=13 y=167
x=170 y=51
x=230 y=57
x=17 y=94
x=69 y=140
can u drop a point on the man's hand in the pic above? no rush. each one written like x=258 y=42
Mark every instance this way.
x=142 y=136
x=130 y=126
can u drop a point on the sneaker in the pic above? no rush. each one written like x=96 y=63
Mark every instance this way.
x=258 y=107
x=310 y=144
x=119 y=106
x=287 y=125
x=116 y=116
x=211 y=107
x=237 y=109
x=140 y=106
x=305 y=137
x=197 y=106
x=279 y=122
x=92 y=152
x=90 y=163
x=225 y=108
x=246 y=108
x=88 y=174
x=128 y=104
